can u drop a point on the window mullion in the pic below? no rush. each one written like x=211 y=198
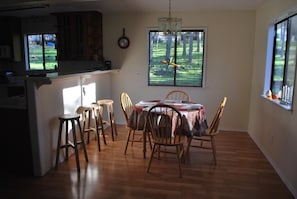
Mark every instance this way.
x=175 y=58
x=43 y=53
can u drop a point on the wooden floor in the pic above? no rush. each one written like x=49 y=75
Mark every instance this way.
x=242 y=172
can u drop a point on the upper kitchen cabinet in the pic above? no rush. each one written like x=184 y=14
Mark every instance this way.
x=79 y=36
x=10 y=38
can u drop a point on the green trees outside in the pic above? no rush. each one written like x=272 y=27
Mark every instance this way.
x=42 y=52
x=177 y=60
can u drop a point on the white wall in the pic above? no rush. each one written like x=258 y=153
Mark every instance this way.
x=271 y=127
x=230 y=44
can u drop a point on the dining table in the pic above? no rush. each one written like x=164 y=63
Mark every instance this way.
x=193 y=114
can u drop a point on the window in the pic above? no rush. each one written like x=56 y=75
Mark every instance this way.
x=41 y=52
x=284 y=60
x=177 y=60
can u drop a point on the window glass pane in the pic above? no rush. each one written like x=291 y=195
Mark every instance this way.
x=35 y=52
x=50 y=51
x=190 y=59
x=291 y=60
x=162 y=50
x=292 y=52
x=176 y=60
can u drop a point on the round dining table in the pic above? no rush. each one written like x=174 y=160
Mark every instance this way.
x=193 y=113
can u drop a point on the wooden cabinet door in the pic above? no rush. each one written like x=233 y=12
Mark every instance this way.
x=79 y=36
x=10 y=38
x=93 y=36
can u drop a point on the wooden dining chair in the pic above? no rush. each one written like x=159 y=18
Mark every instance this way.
x=210 y=133
x=165 y=123
x=178 y=95
x=135 y=130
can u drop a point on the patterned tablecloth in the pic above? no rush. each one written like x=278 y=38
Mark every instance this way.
x=193 y=113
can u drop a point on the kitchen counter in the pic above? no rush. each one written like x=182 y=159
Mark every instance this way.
x=20 y=101
x=45 y=78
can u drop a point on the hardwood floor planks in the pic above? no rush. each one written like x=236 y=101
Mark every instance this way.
x=241 y=172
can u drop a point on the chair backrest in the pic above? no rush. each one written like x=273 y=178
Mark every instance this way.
x=127 y=105
x=165 y=123
x=178 y=95
x=213 y=128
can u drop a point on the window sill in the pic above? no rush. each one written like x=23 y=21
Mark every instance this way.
x=287 y=107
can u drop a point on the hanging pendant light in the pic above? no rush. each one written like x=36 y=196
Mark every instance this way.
x=169 y=25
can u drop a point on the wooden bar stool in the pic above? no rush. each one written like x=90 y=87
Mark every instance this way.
x=86 y=115
x=108 y=104
x=65 y=119
x=87 y=125
x=99 y=123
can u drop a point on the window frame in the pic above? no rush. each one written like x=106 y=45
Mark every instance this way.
x=27 y=58
x=204 y=62
x=270 y=63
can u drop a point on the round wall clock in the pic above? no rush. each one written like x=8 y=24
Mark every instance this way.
x=123 y=41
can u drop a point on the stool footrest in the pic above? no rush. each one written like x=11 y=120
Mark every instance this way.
x=70 y=144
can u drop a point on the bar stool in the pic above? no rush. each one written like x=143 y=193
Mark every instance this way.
x=108 y=104
x=99 y=123
x=72 y=118
x=87 y=113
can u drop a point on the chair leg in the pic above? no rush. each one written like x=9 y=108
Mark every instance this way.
x=114 y=125
x=103 y=135
x=109 y=122
x=182 y=153
x=151 y=158
x=84 y=131
x=82 y=141
x=98 y=138
x=150 y=141
x=75 y=146
x=213 y=145
x=100 y=125
x=66 y=141
x=159 y=151
x=133 y=136
x=59 y=144
x=189 y=144
x=128 y=139
x=179 y=159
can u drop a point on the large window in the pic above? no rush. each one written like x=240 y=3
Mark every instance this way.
x=284 y=60
x=41 y=52
x=177 y=60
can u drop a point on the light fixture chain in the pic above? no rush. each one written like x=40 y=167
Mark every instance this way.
x=169 y=9
x=169 y=25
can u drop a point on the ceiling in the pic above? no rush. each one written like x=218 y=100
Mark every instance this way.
x=44 y=7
